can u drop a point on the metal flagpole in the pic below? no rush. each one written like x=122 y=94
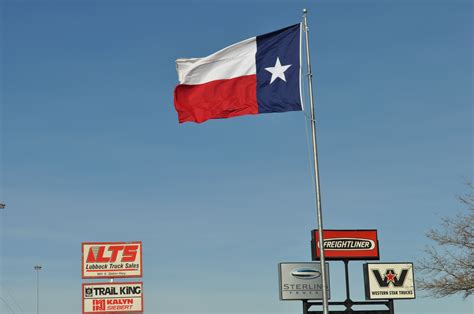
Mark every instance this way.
x=316 y=168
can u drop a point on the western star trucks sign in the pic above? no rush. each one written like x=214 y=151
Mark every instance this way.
x=112 y=297
x=346 y=245
x=111 y=259
x=389 y=281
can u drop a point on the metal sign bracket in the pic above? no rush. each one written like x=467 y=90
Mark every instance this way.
x=348 y=303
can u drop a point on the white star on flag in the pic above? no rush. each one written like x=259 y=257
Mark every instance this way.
x=278 y=71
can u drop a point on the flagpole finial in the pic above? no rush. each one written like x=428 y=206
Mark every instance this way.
x=305 y=11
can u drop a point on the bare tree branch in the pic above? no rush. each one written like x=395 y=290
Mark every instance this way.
x=450 y=263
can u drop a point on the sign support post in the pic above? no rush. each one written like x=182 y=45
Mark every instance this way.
x=305 y=307
x=348 y=302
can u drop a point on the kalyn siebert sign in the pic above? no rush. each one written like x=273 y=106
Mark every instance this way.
x=389 y=281
x=301 y=281
x=111 y=259
x=112 y=297
x=346 y=245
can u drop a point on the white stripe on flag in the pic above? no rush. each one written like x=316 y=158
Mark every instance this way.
x=231 y=62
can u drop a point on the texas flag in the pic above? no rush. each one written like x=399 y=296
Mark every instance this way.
x=257 y=75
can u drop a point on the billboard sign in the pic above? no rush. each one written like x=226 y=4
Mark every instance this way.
x=346 y=245
x=389 y=281
x=111 y=259
x=111 y=297
x=301 y=281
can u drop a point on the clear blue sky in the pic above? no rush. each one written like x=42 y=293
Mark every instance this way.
x=92 y=150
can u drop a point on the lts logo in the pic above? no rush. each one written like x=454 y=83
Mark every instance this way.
x=110 y=253
x=390 y=277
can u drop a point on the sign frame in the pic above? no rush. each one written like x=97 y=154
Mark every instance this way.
x=84 y=276
x=302 y=265
x=113 y=283
x=387 y=265
x=351 y=234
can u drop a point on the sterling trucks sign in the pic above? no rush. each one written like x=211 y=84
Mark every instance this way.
x=112 y=297
x=301 y=281
x=346 y=245
x=111 y=259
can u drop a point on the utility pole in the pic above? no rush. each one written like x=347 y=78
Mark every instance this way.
x=37 y=269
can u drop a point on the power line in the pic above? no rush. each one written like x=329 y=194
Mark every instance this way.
x=4 y=301
x=12 y=297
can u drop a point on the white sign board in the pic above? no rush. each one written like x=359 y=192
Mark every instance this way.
x=389 y=281
x=112 y=297
x=111 y=259
x=301 y=281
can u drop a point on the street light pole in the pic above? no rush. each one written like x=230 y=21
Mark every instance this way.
x=37 y=268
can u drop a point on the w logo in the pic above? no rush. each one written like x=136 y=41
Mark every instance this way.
x=390 y=277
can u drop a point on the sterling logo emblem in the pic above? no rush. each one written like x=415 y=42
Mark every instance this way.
x=305 y=273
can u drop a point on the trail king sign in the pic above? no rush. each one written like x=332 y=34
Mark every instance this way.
x=106 y=298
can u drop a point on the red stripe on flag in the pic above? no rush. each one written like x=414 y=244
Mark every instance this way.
x=216 y=99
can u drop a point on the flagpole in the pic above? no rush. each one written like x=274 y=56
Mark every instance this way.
x=316 y=167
